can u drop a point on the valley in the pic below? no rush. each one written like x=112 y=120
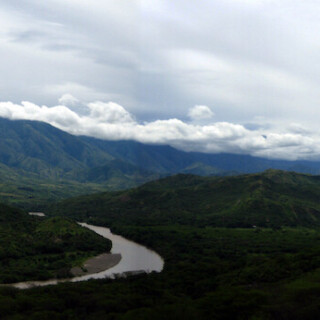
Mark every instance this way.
x=159 y=160
x=235 y=245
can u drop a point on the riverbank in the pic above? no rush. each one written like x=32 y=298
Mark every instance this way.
x=97 y=264
x=126 y=258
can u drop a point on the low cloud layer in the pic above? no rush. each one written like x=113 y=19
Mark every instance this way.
x=111 y=121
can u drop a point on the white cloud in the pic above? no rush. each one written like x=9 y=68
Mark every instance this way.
x=200 y=113
x=109 y=113
x=113 y=122
x=68 y=99
x=249 y=59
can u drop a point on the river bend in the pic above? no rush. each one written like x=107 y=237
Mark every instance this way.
x=135 y=258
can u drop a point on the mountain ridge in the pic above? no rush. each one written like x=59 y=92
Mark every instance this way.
x=166 y=159
x=40 y=163
x=40 y=148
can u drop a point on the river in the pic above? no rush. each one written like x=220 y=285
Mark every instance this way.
x=135 y=258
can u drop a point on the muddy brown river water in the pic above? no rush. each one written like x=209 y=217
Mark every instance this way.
x=135 y=258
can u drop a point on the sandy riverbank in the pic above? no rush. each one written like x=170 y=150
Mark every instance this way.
x=97 y=264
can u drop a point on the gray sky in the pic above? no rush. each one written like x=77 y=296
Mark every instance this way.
x=238 y=76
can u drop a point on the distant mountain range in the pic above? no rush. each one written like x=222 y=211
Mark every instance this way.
x=43 y=151
x=167 y=160
x=50 y=157
x=37 y=147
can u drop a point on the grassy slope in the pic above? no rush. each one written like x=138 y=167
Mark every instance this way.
x=41 y=248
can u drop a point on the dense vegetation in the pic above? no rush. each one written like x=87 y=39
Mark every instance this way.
x=36 y=248
x=269 y=271
x=213 y=273
x=214 y=268
x=271 y=199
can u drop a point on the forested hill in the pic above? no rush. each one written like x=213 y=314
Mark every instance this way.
x=210 y=272
x=37 y=248
x=270 y=199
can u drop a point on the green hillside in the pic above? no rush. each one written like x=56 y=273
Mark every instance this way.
x=40 y=163
x=217 y=265
x=270 y=199
x=40 y=148
x=117 y=174
x=36 y=248
x=37 y=150
x=30 y=192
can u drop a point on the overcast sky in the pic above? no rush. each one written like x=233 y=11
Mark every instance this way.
x=238 y=76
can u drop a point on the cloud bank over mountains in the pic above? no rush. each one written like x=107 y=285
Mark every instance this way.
x=255 y=63
x=111 y=121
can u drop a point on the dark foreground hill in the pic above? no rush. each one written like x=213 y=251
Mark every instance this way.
x=214 y=268
x=269 y=199
x=37 y=248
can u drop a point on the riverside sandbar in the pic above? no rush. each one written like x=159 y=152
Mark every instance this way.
x=97 y=264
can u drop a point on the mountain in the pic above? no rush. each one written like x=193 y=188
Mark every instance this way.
x=40 y=148
x=201 y=169
x=270 y=199
x=156 y=158
x=117 y=174
x=167 y=160
x=40 y=163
